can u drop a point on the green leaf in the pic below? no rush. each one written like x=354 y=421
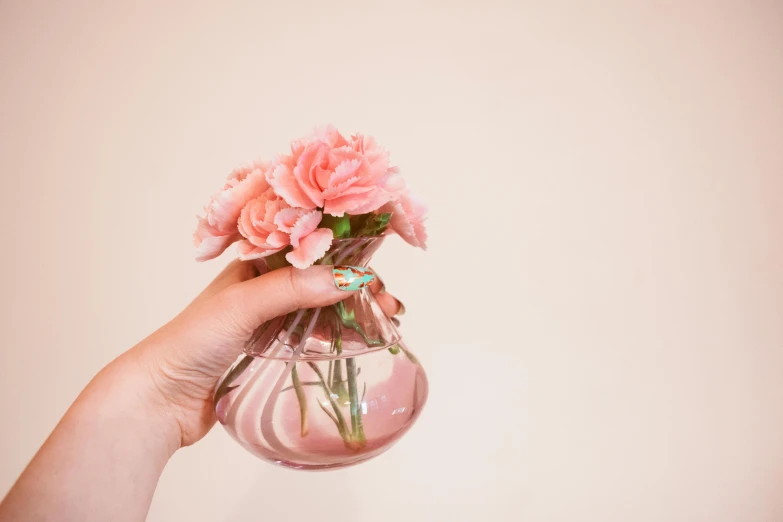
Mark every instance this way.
x=374 y=224
x=358 y=222
x=341 y=226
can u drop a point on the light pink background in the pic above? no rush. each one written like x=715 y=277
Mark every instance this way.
x=601 y=309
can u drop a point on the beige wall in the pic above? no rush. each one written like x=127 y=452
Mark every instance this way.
x=601 y=309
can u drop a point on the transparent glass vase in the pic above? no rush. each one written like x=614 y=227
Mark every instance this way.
x=325 y=387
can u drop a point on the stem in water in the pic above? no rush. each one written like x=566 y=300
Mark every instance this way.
x=300 y=396
x=357 y=428
x=338 y=382
x=342 y=427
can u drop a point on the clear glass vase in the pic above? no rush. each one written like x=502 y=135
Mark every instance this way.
x=325 y=387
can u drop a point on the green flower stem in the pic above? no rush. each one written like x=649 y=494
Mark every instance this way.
x=357 y=429
x=338 y=383
x=410 y=356
x=348 y=320
x=342 y=427
x=225 y=387
x=336 y=423
x=300 y=396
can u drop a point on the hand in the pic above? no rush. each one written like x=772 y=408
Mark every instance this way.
x=187 y=356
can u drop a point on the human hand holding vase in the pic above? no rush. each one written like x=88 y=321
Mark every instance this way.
x=326 y=387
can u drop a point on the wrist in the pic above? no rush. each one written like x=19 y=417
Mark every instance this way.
x=123 y=393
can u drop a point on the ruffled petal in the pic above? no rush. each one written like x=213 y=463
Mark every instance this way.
x=273 y=206
x=253 y=224
x=420 y=232
x=358 y=203
x=305 y=170
x=311 y=248
x=330 y=135
x=226 y=205
x=408 y=215
x=209 y=242
x=373 y=201
x=246 y=220
x=393 y=182
x=349 y=186
x=248 y=251
x=277 y=239
x=286 y=218
x=346 y=166
x=305 y=225
x=282 y=179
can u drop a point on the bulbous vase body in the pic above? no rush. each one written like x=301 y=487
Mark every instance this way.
x=326 y=387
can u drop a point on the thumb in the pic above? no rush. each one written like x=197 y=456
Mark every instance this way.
x=248 y=304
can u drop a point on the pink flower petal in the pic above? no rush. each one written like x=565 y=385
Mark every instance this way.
x=330 y=135
x=344 y=171
x=408 y=215
x=286 y=218
x=277 y=239
x=248 y=217
x=209 y=242
x=304 y=226
x=377 y=157
x=272 y=207
x=358 y=203
x=248 y=251
x=349 y=186
x=256 y=226
x=227 y=204
x=282 y=179
x=321 y=176
x=306 y=167
x=393 y=182
x=311 y=248
x=420 y=232
x=373 y=201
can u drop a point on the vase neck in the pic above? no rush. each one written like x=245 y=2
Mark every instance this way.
x=352 y=251
x=349 y=328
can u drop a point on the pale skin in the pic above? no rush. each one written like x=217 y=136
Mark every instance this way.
x=103 y=460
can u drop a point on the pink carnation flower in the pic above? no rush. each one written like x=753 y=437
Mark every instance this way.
x=269 y=207
x=269 y=225
x=217 y=228
x=327 y=171
x=407 y=220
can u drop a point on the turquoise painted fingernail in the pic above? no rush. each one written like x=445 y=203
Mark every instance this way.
x=350 y=278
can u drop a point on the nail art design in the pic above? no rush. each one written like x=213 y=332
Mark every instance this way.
x=351 y=278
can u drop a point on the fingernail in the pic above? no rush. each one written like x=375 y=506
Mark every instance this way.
x=401 y=311
x=350 y=278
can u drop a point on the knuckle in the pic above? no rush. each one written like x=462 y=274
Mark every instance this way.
x=294 y=286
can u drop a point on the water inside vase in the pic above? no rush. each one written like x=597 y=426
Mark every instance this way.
x=318 y=419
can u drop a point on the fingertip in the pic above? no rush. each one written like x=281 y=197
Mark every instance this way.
x=390 y=305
